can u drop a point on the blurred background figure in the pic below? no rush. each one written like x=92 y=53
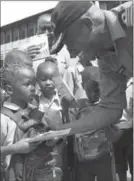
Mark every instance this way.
x=45 y=26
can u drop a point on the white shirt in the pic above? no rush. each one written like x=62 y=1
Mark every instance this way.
x=8 y=127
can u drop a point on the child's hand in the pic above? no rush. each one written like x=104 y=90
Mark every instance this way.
x=51 y=124
x=24 y=146
x=36 y=115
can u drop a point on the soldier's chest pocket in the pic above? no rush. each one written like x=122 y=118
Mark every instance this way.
x=112 y=67
x=109 y=63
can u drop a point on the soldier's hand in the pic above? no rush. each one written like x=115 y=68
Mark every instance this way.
x=51 y=124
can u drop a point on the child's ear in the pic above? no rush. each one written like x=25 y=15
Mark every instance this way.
x=9 y=89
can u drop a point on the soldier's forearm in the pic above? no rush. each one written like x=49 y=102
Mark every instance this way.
x=63 y=89
x=99 y=118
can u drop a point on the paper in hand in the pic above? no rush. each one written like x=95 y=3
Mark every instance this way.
x=50 y=135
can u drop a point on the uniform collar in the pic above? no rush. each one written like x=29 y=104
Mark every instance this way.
x=54 y=98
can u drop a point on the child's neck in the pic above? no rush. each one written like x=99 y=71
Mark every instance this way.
x=21 y=104
x=49 y=96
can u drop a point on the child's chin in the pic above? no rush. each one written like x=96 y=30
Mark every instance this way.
x=49 y=91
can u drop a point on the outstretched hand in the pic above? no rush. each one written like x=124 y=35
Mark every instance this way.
x=51 y=125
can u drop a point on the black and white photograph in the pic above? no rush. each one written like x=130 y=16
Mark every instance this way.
x=66 y=90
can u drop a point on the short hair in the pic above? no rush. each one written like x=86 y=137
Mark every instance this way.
x=10 y=73
x=45 y=17
x=47 y=60
x=51 y=59
x=15 y=57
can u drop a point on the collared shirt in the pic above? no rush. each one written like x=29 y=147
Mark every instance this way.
x=8 y=127
x=116 y=67
x=52 y=108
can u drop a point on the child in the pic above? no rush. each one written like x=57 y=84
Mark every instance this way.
x=92 y=150
x=20 y=82
x=14 y=57
x=49 y=102
x=17 y=57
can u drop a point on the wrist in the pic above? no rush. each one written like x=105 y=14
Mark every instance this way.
x=13 y=149
x=8 y=150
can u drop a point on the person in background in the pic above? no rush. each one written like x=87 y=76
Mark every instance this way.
x=123 y=147
x=45 y=26
x=82 y=26
x=72 y=76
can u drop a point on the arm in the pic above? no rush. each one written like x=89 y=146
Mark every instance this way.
x=72 y=90
x=63 y=89
x=97 y=119
x=22 y=146
x=25 y=125
x=8 y=150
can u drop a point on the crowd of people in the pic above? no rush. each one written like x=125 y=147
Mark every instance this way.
x=95 y=102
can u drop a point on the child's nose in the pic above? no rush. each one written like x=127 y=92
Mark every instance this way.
x=48 y=82
x=33 y=89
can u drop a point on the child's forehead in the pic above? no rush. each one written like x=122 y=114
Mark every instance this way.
x=25 y=73
x=47 y=68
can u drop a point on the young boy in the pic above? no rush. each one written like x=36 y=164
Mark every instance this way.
x=92 y=150
x=20 y=82
x=17 y=57
x=14 y=57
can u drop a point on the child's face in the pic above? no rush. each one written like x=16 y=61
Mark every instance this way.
x=24 y=86
x=45 y=79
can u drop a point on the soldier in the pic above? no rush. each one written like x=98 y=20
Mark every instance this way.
x=82 y=26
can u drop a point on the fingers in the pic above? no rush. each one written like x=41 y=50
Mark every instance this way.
x=33 y=50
